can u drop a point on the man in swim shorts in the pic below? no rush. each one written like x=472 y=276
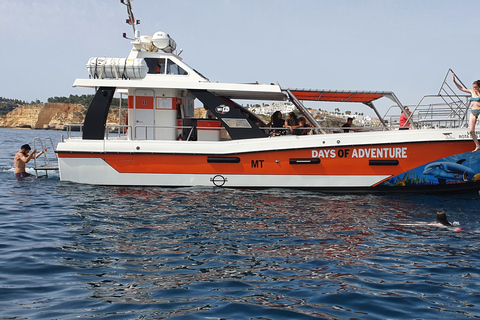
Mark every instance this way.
x=22 y=158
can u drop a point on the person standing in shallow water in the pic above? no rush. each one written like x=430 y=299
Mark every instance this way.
x=22 y=158
x=474 y=108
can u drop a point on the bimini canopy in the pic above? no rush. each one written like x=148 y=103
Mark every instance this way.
x=365 y=97
x=338 y=96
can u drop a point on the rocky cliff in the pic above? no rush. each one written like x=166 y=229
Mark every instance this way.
x=49 y=116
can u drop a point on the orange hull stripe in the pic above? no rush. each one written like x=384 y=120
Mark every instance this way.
x=277 y=162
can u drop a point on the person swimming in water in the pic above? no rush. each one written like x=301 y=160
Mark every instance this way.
x=442 y=218
x=475 y=108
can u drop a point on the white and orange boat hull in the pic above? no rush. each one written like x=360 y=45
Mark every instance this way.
x=341 y=161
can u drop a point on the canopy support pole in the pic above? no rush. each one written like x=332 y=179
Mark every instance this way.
x=370 y=104
x=305 y=112
x=393 y=97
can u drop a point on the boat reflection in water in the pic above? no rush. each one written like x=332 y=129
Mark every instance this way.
x=191 y=249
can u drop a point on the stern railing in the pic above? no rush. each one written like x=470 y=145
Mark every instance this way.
x=445 y=109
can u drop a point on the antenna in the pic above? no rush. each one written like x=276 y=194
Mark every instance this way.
x=131 y=19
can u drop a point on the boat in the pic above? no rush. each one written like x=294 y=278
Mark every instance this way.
x=164 y=144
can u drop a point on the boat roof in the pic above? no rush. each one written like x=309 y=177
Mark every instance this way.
x=243 y=91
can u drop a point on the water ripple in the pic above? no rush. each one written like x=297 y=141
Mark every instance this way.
x=77 y=251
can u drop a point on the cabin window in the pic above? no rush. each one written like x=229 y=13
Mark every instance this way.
x=158 y=66
x=237 y=123
x=155 y=66
x=173 y=68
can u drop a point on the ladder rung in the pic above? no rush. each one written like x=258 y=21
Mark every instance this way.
x=52 y=167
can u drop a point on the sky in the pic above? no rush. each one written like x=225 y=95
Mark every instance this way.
x=402 y=46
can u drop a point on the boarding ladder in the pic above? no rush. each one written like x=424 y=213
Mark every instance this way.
x=45 y=165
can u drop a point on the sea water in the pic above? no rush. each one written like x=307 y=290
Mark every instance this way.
x=71 y=251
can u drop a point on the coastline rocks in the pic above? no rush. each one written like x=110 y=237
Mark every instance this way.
x=48 y=116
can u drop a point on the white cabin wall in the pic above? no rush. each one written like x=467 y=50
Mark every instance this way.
x=152 y=113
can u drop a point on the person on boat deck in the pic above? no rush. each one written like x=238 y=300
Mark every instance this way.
x=301 y=128
x=475 y=108
x=291 y=122
x=404 y=124
x=276 y=121
x=22 y=158
x=347 y=124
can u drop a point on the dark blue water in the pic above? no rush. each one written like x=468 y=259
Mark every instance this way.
x=72 y=251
